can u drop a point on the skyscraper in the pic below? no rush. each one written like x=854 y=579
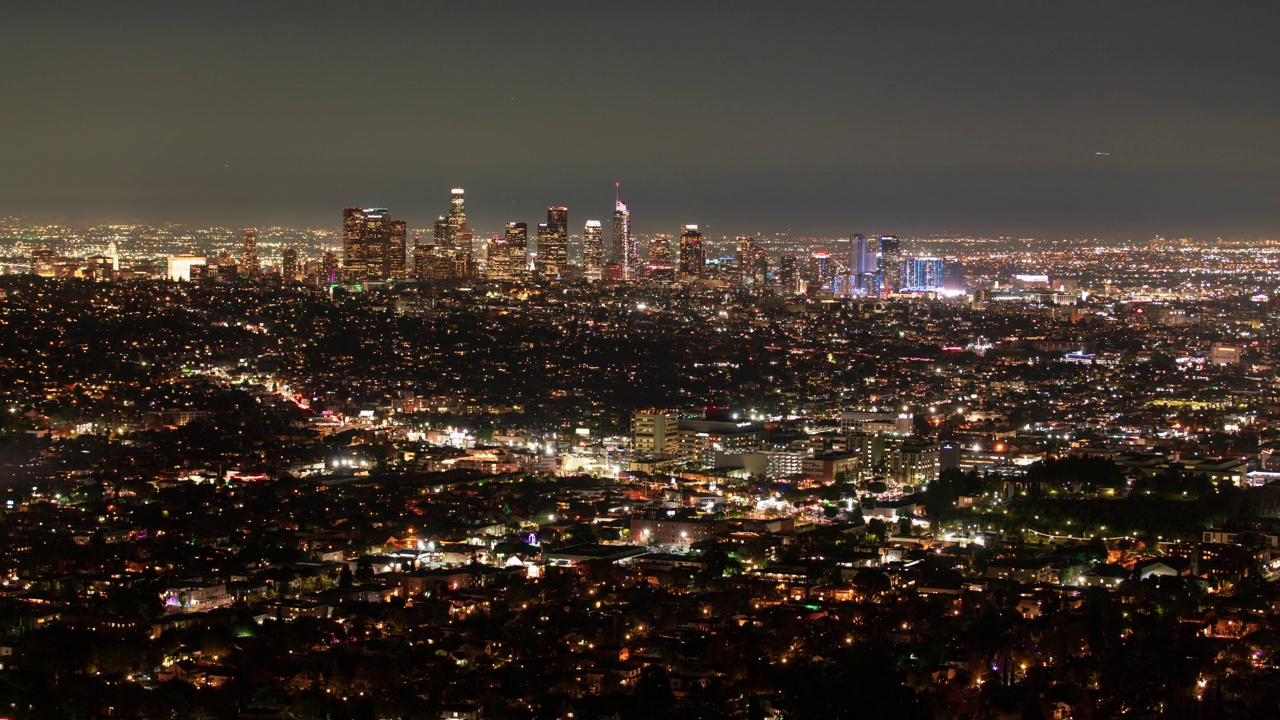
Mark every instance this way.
x=553 y=247
x=863 y=264
x=952 y=275
x=822 y=267
x=620 y=250
x=499 y=267
x=660 y=250
x=743 y=259
x=692 y=255
x=443 y=239
x=329 y=269
x=424 y=260
x=593 y=247
x=517 y=237
x=759 y=266
x=289 y=264
x=459 y=232
x=890 y=264
x=397 y=234
x=787 y=273
x=373 y=244
x=249 y=266
x=354 y=244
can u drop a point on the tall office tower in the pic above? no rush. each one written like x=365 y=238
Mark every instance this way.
x=890 y=264
x=660 y=250
x=952 y=275
x=249 y=266
x=743 y=259
x=593 y=247
x=354 y=244
x=443 y=238
x=760 y=266
x=459 y=232
x=823 y=268
x=787 y=273
x=620 y=250
x=329 y=269
x=864 y=258
x=808 y=267
x=693 y=259
x=113 y=254
x=289 y=264
x=373 y=244
x=466 y=240
x=542 y=237
x=398 y=233
x=517 y=237
x=423 y=257
x=553 y=243
x=499 y=267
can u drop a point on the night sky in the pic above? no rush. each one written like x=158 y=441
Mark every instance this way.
x=825 y=118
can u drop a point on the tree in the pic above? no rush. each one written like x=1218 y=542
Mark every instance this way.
x=877 y=528
x=364 y=570
x=653 y=692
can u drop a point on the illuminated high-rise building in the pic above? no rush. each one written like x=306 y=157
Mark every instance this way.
x=693 y=260
x=621 y=252
x=952 y=275
x=397 y=235
x=890 y=264
x=660 y=251
x=787 y=277
x=743 y=259
x=593 y=247
x=289 y=264
x=422 y=260
x=863 y=256
x=823 y=268
x=354 y=242
x=517 y=237
x=542 y=238
x=459 y=231
x=373 y=244
x=500 y=260
x=864 y=260
x=759 y=266
x=553 y=243
x=113 y=254
x=329 y=269
x=443 y=239
x=249 y=266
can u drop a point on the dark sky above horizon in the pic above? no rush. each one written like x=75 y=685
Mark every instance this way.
x=821 y=117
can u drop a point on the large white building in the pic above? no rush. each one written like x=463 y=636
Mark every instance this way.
x=180 y=266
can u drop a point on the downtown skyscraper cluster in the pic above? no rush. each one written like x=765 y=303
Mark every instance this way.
x=373 y=243
x=374 y=246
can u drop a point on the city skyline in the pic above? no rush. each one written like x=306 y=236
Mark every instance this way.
x=934 y=376
x=1089 y=121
